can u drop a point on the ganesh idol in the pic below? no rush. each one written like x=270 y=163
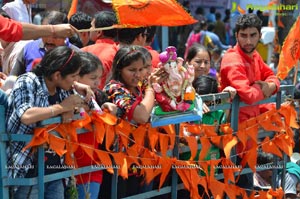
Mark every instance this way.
x=176 y=93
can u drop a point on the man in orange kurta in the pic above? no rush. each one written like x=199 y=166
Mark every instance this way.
x=105 y=47
x=244 y=69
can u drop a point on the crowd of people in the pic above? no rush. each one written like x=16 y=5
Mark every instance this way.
x=117 y=68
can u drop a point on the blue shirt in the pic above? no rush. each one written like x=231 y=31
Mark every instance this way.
x=32 y=51
x=29 y=91
x=216 y=40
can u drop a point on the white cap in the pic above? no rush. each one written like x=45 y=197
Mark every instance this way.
x=295 y=158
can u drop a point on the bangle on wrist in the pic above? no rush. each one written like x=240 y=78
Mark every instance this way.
x=150 y=89
x=52 y=111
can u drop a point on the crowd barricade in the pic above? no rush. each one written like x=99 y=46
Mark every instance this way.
x=283 y=94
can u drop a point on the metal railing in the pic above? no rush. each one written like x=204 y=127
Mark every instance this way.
x=6 y=182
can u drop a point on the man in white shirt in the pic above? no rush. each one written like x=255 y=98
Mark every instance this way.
x=19 y=10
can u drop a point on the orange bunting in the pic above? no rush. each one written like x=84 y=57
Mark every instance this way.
x=124 y=129
x=139 y=135
x=217 y=188
x=57 y=144
x=250 y=158
x=229 y=168
x=40 y=136
x=204 y=167
x=151 y=13
x=193 y=128
x=214 y=166
x=192 y=142
x=285 y=143
x=290 y=115
x=278 y=193
x=242 y=135
x=121 y=163
x=189 y=177
x=231 y=191
x=136 y=153
x=203 y=182
x=105 y=160
x=170 y=129
x=252 y=132
x=229 y=141
x=290 y=52
x=83 y=122
x=167 y=165
x=268 y=126
x=226 y=129
x=133 y=153
x=269 y=147
x=150 y=162
x=110 y=137
x=205 y=146
x=163 y=144
x=99 y=128
x=209 y=130
x=217 y=140
x=153 y=137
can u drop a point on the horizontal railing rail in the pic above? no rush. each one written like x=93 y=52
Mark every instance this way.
x=284 y=93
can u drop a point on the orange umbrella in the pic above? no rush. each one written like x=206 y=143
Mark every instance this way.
x=151 y=13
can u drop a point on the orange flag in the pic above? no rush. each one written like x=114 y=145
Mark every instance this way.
x=150 y=161
x=105 y=160
x=139 y=135
x=40 y=137
x=278 y=193
x=153 y=137
x=205 y=143
x=290 y=52
x=73 y=8
x=285 y=143
x=231 y=190
x=229 y=168
x=166 y=165
x=121 y=163
x=151 y=13
x=163 y=143
x=269 y=147
x=170 y=130
x=57 y=144
x=229 y=141
x=217 y=188
x=192 y=142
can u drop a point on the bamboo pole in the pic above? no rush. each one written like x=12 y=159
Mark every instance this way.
x=107 y=28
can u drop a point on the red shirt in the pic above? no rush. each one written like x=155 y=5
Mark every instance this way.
x=155 y=56
x=105 y=50
x=84 y=160
x=10 y=30
x=241 y=71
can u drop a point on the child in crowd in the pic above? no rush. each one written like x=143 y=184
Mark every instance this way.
x=134 y=102
x=90 y=74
